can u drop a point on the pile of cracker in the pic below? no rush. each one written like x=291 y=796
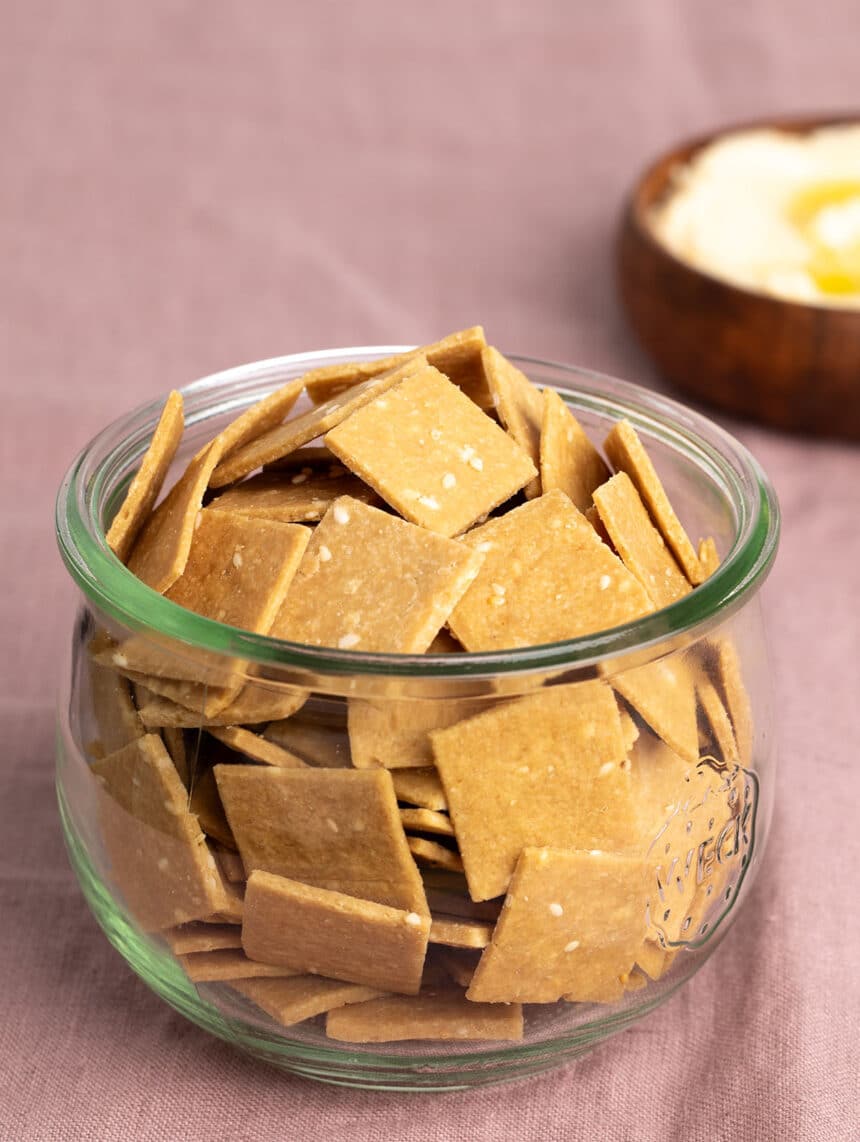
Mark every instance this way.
x=415 y=868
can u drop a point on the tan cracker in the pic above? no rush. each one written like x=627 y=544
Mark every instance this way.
x=197 y=937
x=255 y=746
x=568 y=459
x=226 y=965
x=291 y=499
x=519 y=405
x=420 y=787
x=300 y=997
x=439 y=1015
x=663 y=693
x=395 y=734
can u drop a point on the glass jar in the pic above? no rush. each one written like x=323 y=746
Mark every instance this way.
x=657 y=846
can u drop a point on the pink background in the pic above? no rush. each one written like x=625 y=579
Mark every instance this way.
x=186 y=186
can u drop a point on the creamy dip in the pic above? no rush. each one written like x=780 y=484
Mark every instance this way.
x=771 y=211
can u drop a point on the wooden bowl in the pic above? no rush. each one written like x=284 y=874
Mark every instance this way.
x=782 y=363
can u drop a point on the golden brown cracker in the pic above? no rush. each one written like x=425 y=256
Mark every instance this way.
x=239 y=569
x=625 y=450
x=445 y=1015
x=394 y=734
x=337 y=829
x=639 y=544
x=537 y=771
x=427 y=821
x=260 y=417
x=205 y=803
x=225 y=965
x=433 y=854
x=546 y=576
x=457 y=932
x=117 y=719
x=458 y=356
x=230 y=864
x=174 y=740
x=520 y=407
x=329 y=933
x=285 y=438
x=709 y=557
x=728 y=677
x=717 y=719
x=572 y=924
x=568 y=459
x=653 y=959
x=197 y=937
x=432 y=454
x=255 y=746
x=420 y=787
x=663 y=693
x=148 y=480
x=662 y=783
x=318 y=743
x=160 y=552
x=339 y=599
x=300 y=997
x=158 y=855
x=253 y=704
x=297 y=498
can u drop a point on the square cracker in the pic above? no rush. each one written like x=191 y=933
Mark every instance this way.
x=458 y=356
x=117 y=720
x=639 y=544
x=339 y=599
x=664 y=694
x=725 y=666
x=338 y=829
x=546 y=576
x=287 y=437
x=225 y=965
x=420 y=787
x=158 y=855
x=625 y=450
x=433 y=854
x=328 y=933
x=572 y=925
x=291 y=498
x=431 y=453
x=239 y=569
x=396 y=734
x=443 y=1014
x=147 y=482
x=300 y=997
x=256 y=747
x=458 y=932
x=199 y=937
x=160 y=553
x=537 y=771
x=717 y=719
x=321 y=743
x=426 y=821
x=260 y=417
x=520 y=407
x=253 y=704
x=709 y=557
x=568 y=459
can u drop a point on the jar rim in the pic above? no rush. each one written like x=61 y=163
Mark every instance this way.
x=92 y=478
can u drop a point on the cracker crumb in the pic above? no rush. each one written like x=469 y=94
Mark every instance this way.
x=347 y=641
x=120 y=660
x=341 y=514
x=324 y=553
x=556 y=909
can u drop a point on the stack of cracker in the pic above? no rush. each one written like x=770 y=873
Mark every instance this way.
x=411 y=867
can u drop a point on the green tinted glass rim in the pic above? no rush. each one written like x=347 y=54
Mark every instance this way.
x=120 y=596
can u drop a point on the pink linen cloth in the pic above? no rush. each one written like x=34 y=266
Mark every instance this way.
x=186 y=186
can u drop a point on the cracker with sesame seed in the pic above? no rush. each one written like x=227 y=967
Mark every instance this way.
x=571 y=927
x=328 y=933
x=546 y=576
x=117 y=719
x=286 y=438
x=227 y=964
x=662 y=782
x=663 y=693
x=147 y=482
x=199 y=937
x=297 y=998
x=625 y=450
x=395 y=734
x=254 y=703
x=420 y=787
x=260 y=418
x=568 y=459
x=509 y=787
x=333 y=828
x=427 y=821
x=438 y=1015
x=639 y=544
x=340 y=599
x=458 y=356
x=161 y=550
x=456 y=932
x=709 y=557
x=520 y=407
x=301 y=497
x=256 y=747
x=435 y=855
x=432 y=454
x=158 y=854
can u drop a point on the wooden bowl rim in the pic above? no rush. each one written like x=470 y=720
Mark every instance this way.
x=643 y=196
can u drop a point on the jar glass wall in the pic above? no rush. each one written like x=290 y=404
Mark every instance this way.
x=567 y=831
